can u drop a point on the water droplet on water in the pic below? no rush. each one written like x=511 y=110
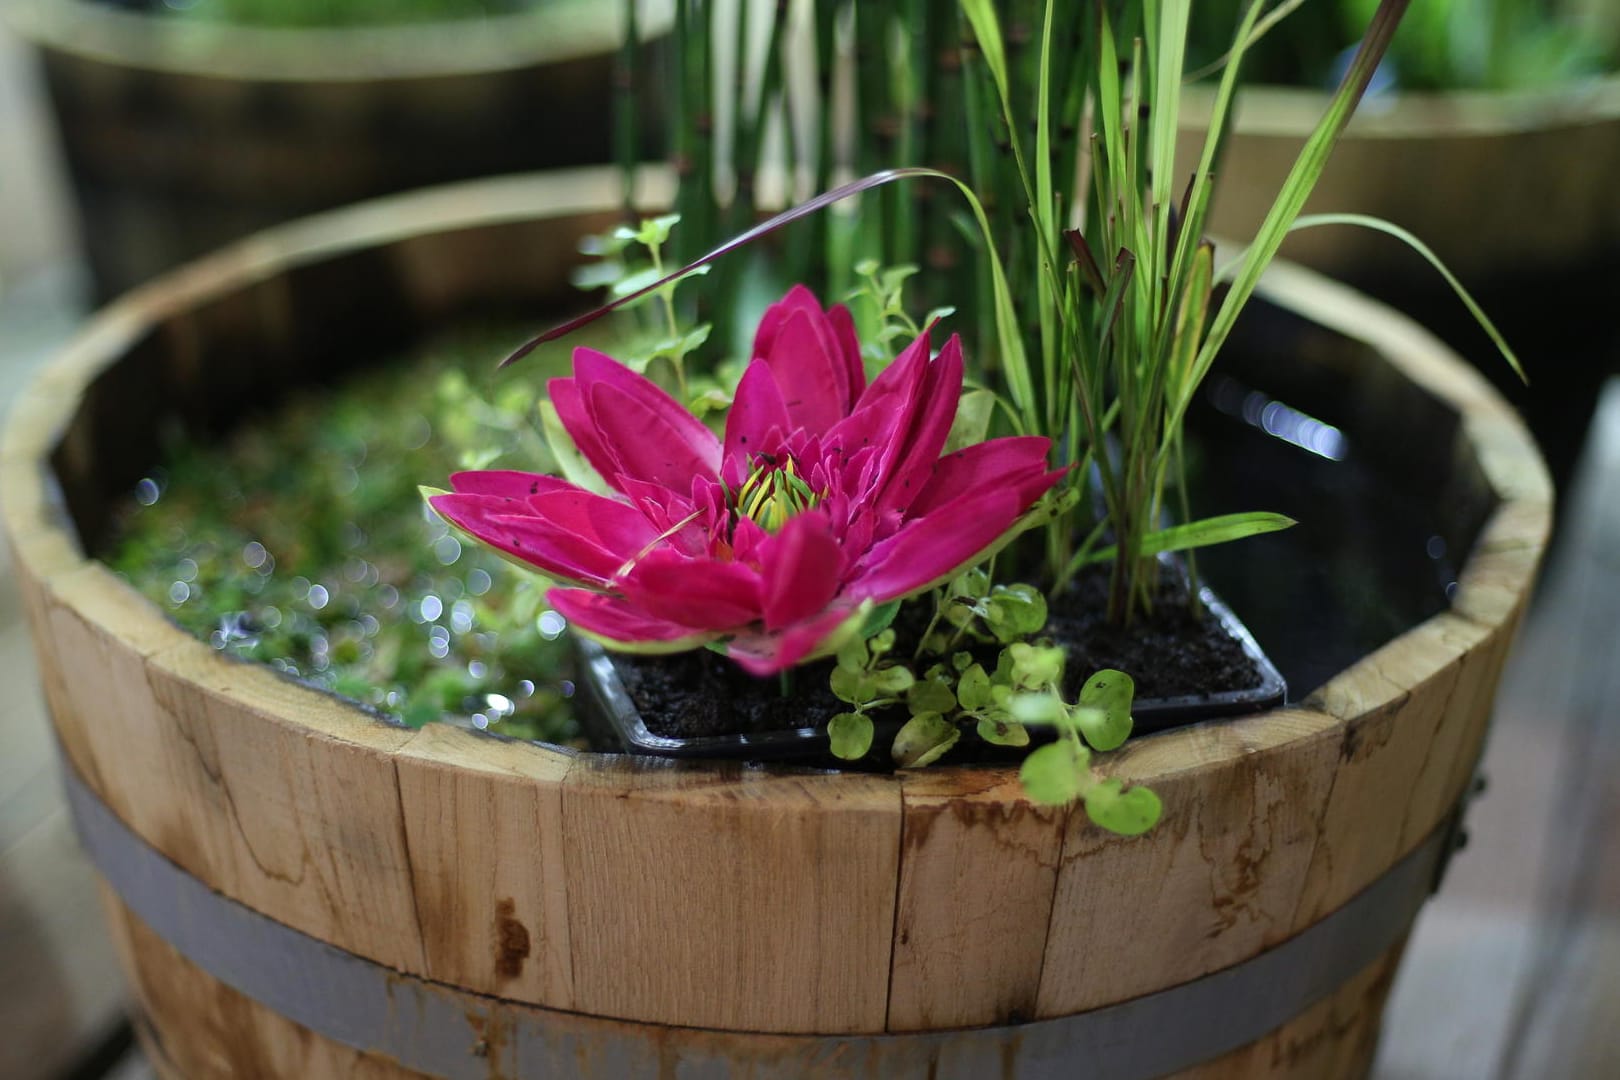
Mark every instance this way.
x=551 y=625
x=480 y=721
x=318 y=596
x=179 y=593
x=477 y=669
x=254 y=555
x=429 y=609
x=147 y=491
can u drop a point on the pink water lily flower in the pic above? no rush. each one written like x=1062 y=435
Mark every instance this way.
x=825 y=497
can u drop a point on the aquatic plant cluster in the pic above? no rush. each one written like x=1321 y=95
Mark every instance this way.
x=303 y=545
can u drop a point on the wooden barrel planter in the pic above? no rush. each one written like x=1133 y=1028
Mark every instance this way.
x=1496 y=182
x=300 y=889
x=180 y=136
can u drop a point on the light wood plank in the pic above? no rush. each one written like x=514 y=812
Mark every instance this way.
x=978 y=872
x=1405 y=722
x=1217 y=880
x=731 y=897
x=483 y=821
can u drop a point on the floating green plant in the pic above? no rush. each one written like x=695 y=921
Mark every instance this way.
x=302 y=544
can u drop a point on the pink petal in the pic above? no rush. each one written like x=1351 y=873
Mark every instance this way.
x=556 y=550
x=507 y=483
x=918 y=452
x=570 y=405
x=802 y=567
x=756 y=409
x=609 y=523
x=849 y=349
x=705 y=593
x=809 y=370
x=1017 y=461
x=647 y=443
x=640 y=426
x=768 y=653
x=932 y=548
x=616 y=619
x=880 y=419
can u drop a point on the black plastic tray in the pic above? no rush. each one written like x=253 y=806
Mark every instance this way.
x=611 y=716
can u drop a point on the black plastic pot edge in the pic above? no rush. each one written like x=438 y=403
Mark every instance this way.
x=610 y=717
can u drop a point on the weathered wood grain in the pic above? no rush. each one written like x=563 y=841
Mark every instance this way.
x=978 y=873
x=1217 y=880
x=1402 y=734
x=483 y=825
x=731 y=897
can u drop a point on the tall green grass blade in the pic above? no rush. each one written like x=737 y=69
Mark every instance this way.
x=1203 y=533
x=1301 y=180
x=1389 y=228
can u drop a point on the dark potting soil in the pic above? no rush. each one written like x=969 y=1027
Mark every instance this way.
x=702 y=693
x=1172 y=652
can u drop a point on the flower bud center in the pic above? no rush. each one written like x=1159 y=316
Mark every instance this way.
x=774 y=492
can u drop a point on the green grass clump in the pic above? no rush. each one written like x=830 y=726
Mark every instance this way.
x=302 y=543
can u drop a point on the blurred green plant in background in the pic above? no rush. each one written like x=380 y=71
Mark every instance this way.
x=1441 y=44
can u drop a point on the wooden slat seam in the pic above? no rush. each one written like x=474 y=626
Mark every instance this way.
x=410 y=865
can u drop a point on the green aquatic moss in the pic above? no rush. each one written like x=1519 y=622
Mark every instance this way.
x=303 y=543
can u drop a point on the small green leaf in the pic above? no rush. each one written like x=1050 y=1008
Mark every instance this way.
x=1001 y=730
x=923 y=739
x=654 y=232
x=972 y=423
x=880 y=618
x=930 y=695
x=1017 y=610
x=892 y=681
x=846 y=684
x=1034 y=667
x=974 y=584
x=973 y=688
x=853 y=656
x=634 y=283
x=1044 y=710
x=1104 y=709
x=1128 y=813
x=851 y=735
x=1054 y=774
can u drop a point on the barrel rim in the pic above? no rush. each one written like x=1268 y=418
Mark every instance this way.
x=1292 y=112
x=1514 y=468
x=555 y=32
